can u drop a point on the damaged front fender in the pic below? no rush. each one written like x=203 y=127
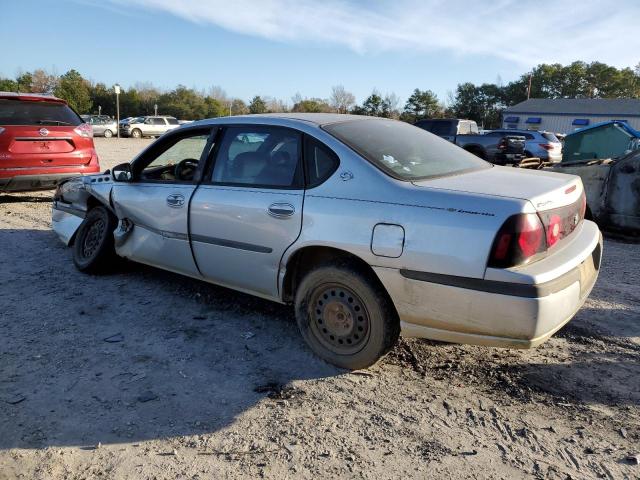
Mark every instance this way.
x=74 y=198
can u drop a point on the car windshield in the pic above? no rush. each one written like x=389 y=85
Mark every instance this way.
x=25 y=112
x=404 y=151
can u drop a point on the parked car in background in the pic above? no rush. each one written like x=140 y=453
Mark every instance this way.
x=368 y=226
x=102 y=125
x=150 y=126
x=501 y=150
x=42 y=142
x=544 y=145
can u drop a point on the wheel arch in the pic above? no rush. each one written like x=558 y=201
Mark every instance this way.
x=303 y=260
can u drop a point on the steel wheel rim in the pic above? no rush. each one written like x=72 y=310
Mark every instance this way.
x=92 y=238
x=339 y=319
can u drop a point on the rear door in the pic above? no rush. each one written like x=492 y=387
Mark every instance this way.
x=41 y=134
x=249 y=209
x=156 y=203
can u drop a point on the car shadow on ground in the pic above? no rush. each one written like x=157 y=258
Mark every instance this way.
x=136 y=355
x=25 y=198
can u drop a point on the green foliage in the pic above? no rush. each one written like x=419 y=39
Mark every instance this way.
x=311 y=105
x=75 y=90
x=257 y=105
x=8 y=85
x=422 y=104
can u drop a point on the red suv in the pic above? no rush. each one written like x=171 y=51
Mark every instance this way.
x=42 y=142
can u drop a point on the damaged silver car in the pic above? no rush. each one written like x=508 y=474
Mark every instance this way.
x=369 y=227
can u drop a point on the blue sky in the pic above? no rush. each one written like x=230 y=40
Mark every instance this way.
x=280 y=47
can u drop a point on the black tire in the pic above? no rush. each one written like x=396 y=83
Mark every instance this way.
x=136 y=133
x=345 y=317
x=93 y=249
x=108 y=133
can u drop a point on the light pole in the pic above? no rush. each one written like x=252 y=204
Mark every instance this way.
x=99 y=110
x=155 y=109
x=116 y=88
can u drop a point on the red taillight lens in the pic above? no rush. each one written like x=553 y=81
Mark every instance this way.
x=546 y=146
x=84 y=130
x=520 y=238
x=554 y=228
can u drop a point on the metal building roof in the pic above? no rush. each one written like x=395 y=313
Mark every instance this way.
x=578 y=106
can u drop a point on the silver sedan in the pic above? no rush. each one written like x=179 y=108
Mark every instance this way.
x=369 y=227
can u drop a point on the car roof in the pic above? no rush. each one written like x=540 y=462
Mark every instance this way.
x=317 y=119
x=31 y=97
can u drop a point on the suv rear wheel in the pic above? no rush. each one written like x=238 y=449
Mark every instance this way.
x=345 y=317
x=108 y=133
x=93 y=249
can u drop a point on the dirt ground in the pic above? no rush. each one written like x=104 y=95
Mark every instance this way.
x=144 y=374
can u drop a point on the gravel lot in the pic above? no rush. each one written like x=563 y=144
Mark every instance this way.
x=144 y=374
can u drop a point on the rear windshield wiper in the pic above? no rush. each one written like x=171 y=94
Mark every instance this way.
x=47 y=122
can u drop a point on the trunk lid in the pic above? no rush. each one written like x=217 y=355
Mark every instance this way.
x=26 y=146
x=545 y=190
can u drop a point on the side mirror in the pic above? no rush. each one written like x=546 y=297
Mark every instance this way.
x=122 y=173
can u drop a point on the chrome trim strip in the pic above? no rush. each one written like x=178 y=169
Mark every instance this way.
x=231 y=244
x=43 y=139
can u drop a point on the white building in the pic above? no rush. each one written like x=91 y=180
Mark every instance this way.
x=564 y=115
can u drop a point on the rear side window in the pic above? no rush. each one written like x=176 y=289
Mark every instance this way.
x=267 y=157
x=551 y=137
x=172 y=121
x=25 y=112
x=320 y=161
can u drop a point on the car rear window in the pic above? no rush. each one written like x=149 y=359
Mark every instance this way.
x=404 y=151
x=551 y=137
x=25 y=112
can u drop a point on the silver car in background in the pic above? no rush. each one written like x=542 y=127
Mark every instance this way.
x=102 y=125
x=370 y=227
x=544 y=145
x=150 y=126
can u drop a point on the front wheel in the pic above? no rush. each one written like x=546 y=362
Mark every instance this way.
x=345 y=317
x=93 y=248
x=136 y=133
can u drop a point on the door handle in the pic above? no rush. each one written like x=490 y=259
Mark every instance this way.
x=281 y=210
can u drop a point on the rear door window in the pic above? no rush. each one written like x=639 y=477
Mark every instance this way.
x=158 y=121
x=173 y=121
x=260 y=157
x=25 y=112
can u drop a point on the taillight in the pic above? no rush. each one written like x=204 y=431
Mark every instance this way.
x=546 y=146
x=84 y=130
x=554 y=229
x=519 y=239
x=503 y=144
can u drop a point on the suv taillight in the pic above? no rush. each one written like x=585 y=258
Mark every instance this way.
x=518 y=240
x=526 y=235
x=546 y=146
x=84 y=130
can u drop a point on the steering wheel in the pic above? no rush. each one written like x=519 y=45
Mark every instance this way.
x=185 y=169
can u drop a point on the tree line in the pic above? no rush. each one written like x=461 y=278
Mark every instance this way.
x=483 y=103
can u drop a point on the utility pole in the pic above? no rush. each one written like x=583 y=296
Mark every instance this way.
x=116 y=88
x=99 y=110
x=155 y=109
x=529 y=87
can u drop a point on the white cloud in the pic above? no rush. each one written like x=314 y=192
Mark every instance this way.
x=527 y=32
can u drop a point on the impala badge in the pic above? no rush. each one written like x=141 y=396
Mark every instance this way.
x=43 y=132
x=175 y=200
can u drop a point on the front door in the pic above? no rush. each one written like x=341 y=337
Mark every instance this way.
x=246 y=214
x=155 y=205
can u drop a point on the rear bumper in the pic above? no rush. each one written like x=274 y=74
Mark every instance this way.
x=23 y=183
x=494 y=313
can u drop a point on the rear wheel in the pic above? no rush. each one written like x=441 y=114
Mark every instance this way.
x=108 y=133
x=136 y=133
x=93 y=248
x=345 y=317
